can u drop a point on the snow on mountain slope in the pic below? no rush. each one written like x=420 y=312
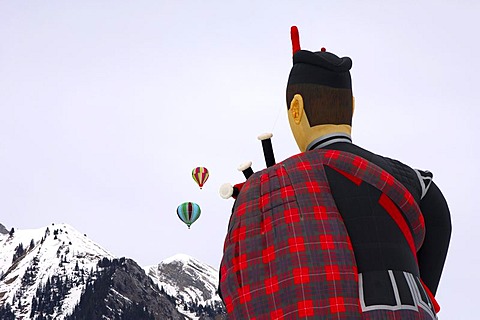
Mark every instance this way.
x=29 y=258
x=187 y=278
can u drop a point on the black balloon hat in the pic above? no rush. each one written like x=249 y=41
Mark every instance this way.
x=321 y=67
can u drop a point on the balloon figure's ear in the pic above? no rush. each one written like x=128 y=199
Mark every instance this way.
x=296 y=108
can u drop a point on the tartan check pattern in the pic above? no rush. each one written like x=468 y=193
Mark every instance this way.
x=287 y=253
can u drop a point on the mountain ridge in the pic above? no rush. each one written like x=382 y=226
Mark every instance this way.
x=56 y=272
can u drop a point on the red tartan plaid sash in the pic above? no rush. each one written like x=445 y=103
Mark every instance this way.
x=287 y=253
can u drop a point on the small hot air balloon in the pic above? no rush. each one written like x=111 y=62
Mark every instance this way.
x=200 y=175
x=188 y=212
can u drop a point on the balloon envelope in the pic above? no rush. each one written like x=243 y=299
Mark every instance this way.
x=188 y=212
x=200 y=175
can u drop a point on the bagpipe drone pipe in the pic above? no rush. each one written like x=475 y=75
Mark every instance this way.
x=231 y=191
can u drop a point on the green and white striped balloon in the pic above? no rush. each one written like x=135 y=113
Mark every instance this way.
x=188 y=212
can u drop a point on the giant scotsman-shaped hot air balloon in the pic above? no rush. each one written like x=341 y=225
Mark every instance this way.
x=188 y=212
x=200 y=175
x=337 y=231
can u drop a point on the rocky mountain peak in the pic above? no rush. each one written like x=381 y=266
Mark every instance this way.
x=196 y=281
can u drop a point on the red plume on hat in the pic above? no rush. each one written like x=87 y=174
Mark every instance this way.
x=295 y=39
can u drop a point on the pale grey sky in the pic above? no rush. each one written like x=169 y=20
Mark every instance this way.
x=106 y=106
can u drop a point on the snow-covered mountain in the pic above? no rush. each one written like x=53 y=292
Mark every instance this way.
x=31 y=258
x=192 y=282
x=56 y=272
x=120 y=289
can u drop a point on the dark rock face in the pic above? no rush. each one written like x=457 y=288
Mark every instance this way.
x=122 y=290
x=3 y=230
